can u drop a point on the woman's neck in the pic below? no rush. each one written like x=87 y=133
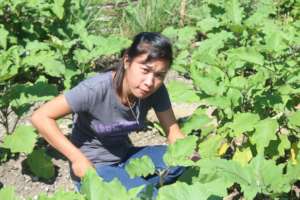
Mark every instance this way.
x=125 y=95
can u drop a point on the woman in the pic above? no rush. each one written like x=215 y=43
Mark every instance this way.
x=110 y=105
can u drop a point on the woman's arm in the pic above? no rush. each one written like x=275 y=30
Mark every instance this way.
x=168 y=122
x=44 y=120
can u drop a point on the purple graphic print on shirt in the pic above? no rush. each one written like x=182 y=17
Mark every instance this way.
x=117 y=128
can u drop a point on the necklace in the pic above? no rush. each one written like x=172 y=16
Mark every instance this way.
x=136 y=117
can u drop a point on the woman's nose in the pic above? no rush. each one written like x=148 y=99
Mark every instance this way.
x=149 y=81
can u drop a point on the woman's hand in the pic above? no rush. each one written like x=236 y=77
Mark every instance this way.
x=80 y=166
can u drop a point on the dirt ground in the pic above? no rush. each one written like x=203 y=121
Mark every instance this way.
x=14 y=172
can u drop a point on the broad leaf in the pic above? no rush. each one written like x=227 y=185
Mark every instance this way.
x=140 y=167
x=58 y=8
x=294 y=119
x=243 y=122
x=4 y=36
x=22 y=139
x=248 y=54
x=243 y=156
x=209 y=147
x=181 y=92
x=60 y=194
x=234 y=11
x=179 y=152
x=40 y=164
x=91 y=185
x=8 y=193
x=182 y=191
x=198 y=120
x=265 y=131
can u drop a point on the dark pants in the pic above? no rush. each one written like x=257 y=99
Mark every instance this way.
x=109 y=172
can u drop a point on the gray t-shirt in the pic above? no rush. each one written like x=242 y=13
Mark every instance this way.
x=102 y=123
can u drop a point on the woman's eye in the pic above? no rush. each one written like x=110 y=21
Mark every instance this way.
x=160 y=75
x=144 y=70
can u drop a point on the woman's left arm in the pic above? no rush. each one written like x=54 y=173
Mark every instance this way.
x=169 y=124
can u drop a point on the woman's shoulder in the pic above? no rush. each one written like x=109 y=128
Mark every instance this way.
x=101 y=79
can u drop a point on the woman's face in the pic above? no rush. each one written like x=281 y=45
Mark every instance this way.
x=144 y=78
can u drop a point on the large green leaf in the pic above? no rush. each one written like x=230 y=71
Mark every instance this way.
x=58 y=8
x=94 y=188
x=234 y=11
x=243 y=122
x=140 y=167
x=231 y=172
x=207 y=50
x=21 y=94
x=274 y=37
x=4 y=35
x=198 y=120
x=265 y=131
x=22 y=139
x=40 y=164
x=181 y=92
x=284 y=144
x=209 y=147
x=91 y=185
x=9 y=62
x=268 y=176
x=179 y=153
x=181 y=62
x=51 y=62
x=8 y=193
x=243 y=156
x=185 y=37
x=109 y=45
x=54 y=67
x=247 y=54
x=206 y=84
x=182 y=191
x=294 y=119
x=82 y=56
x=208 y=24
x=222 y=102
x=60 y=194
x=262 y=10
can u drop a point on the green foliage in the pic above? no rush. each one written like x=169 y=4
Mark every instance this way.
x=243 y=59
x=241 y=56
x=91 y=185
x=182 y=191
x=45 y=43
x=60 y=194
x=199 y=120
x=180 y=152
x=181 y=92
x=22 y=140
x=94 y=188
x=8 y=193
x=40 y=164
x=265 y=131
x=147 y=15
x=140 y=167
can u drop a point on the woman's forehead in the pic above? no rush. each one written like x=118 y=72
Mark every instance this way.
x=145 y=58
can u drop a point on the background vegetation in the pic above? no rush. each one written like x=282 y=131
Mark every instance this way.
x=243 y=59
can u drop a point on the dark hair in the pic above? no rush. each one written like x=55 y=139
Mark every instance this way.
x=154 y=44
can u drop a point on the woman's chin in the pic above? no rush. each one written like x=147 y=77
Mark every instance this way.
x=141 y=94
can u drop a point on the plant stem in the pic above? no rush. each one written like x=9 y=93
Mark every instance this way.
x=182 y=12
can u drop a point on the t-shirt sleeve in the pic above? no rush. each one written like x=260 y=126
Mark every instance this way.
x=79 y=97
x=160 y=100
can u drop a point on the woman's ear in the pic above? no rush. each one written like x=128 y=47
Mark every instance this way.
x=126 y=61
